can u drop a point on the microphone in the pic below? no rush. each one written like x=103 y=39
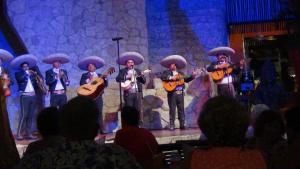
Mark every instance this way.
x=117 y=38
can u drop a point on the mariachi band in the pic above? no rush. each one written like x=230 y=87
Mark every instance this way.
x=31 y=83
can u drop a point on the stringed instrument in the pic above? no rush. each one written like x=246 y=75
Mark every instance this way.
x=127 y=84
x=169 y=86
x=224 y=69
x=95 y=86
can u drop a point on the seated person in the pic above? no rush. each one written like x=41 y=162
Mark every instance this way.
x=79 y=125
x=48 y=126
x=139 y=141
x=224 y=122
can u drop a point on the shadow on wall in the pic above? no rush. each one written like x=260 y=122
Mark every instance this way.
x=184 y=40
x=152 y=118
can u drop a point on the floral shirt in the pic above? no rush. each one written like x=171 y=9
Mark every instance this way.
x=80 y=155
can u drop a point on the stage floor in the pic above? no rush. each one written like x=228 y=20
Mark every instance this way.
x=162 y=137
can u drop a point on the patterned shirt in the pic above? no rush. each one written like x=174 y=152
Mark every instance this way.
x=80 y=155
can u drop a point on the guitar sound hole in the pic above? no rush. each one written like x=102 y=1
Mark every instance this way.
x=94 y=82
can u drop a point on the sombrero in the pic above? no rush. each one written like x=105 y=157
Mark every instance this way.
x=61 y=57
x=5 y=55
x=178 y=60
x=221 y=50
x=95 y=60
x=28 y=58
x=135 y=56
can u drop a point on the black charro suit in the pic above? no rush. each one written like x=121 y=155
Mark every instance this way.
x=99 y=99
x=176 y=98
x=56 y=100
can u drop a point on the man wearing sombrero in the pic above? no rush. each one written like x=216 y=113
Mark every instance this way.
x=175 y=96
x=133 y=95
x=225 y=84
x=57 y=79
x=91 y=64
x=27 y=87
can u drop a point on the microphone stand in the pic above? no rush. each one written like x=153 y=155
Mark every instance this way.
x=119 y=67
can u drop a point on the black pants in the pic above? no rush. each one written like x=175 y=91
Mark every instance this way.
x=226 y=90
x=134 y=100
x=57 y=100
x=99 y=103
x=176 y=100
x=28 y=107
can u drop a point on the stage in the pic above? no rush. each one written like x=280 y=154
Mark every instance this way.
x=162 y=137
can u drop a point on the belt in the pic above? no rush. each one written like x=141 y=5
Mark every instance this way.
x=28 y=93
x=58 y=92
x=178 y=91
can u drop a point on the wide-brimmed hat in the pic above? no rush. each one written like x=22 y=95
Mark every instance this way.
x=28 y=58
x=221 y=50
x=178 y=60
x=61 y=57
x=5 y=55
x=135 y=56
x=95 y=60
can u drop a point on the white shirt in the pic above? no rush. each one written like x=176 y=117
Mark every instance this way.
x=130 y=73
x=93 y=75
x=59 y=85
x=0 y=70
x=29 y=86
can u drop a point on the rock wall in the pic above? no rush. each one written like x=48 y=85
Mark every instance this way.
x=155 y=28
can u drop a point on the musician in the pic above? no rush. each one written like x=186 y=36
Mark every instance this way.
x=8 y=151
x=176 y=96
x=91 y=64
x=225 y=85
x=57 y=79
x=27 y=88
x=133 y=95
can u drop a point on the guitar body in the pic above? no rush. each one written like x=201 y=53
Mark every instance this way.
x=126 y=85
x=92 y=89
x=219 y=74
x=171 y=85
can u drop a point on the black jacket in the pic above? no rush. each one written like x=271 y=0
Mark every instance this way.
x=140 y=80
x=86 y=76
x=51 y=81
x=22 y=79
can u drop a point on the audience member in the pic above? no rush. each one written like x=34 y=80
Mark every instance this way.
x=224 y=122
x=48 y=126
x=268 y=133
x=79 y=124
x=139 y=141
x=268 y=91
x=292 y=117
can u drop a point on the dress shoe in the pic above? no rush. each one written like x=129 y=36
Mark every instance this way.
x=172 y=127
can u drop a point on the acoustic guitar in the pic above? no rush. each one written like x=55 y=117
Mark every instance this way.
x=171 y=85
x=219 y=74
x=129 y=83
x=95 y=86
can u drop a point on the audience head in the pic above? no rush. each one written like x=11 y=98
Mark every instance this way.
x=79 y=119
x=269 y=125
x=224 y=121
x=48 y=122
x=130 y=116
x=292 y=118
